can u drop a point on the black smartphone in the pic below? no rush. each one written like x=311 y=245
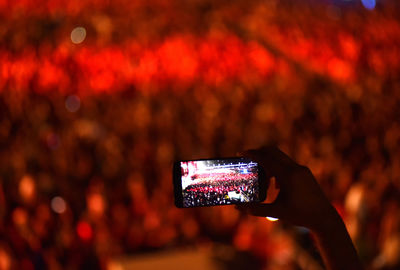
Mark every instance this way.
x=221 y=181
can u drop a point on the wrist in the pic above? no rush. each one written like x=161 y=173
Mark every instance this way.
x=335 y=244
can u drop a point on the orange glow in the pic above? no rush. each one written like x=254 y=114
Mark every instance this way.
x=19 y=216
x=261 y=58
x=22 y=71
x=50 y=75
x=147 y=68
x=243 y=237
x=95 y=204
x=176 y=59
x=339 y=69
x=27 y=188
x=5 y=260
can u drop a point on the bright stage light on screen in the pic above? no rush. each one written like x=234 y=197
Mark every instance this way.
x=272 y=219
x=369 y=4
x=78 y=35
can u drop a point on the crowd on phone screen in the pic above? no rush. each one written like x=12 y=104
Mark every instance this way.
x=86 y=151
x=213 y=190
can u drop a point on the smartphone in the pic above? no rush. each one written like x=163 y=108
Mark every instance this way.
x=222 y=181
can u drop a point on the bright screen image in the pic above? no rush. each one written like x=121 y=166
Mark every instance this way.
x=219 y=181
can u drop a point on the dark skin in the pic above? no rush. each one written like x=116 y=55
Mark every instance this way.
x=302 y=202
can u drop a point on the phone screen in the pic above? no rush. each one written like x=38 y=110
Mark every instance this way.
x=218 y=182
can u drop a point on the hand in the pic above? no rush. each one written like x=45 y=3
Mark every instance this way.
x=300 y=200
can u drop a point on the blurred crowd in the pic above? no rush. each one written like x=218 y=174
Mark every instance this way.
x=90 y=124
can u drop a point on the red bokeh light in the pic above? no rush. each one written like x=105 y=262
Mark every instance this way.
x=84 y=230
x=178 y=59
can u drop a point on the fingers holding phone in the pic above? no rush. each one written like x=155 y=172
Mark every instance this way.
x=294 y=196
x=300 y=200
x=244 y=181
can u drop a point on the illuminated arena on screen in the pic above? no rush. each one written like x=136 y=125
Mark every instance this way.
x=219 y=182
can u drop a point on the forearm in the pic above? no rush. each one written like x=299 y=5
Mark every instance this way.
x=335 y=244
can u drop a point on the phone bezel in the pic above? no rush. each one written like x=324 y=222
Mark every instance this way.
x=178 y=196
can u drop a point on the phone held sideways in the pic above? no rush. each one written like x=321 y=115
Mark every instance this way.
x=212 y=182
